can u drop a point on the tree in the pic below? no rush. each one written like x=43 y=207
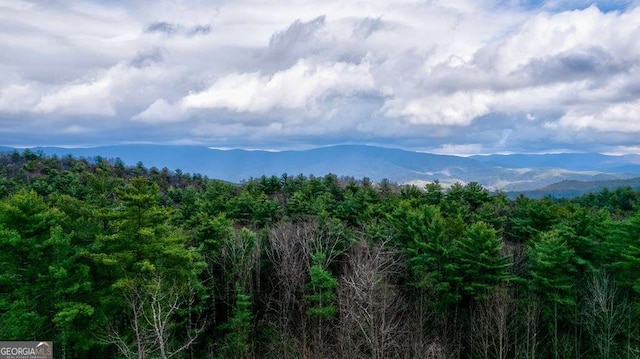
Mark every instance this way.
x=44 y=279
x=155 y=306
x=321 y=306
x=585 y=231
x=624 y=255
x=482 y=265
x=289 y=253
x=527 y=330
x=371 y=307
x=552 y=271
x=605 y=316
x=141 y=251
x=432 y=254
x=529 y=218
x=492 y=326
x=237 y=342
x=321 y=295
x=252 y=206
x=141 y=239
x=301 y=255
x=26 y=223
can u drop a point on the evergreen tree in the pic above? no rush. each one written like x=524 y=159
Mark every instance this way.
x=552 y=271
x=481 y=262
x=624 y=256
x=322 y=296
x=430 y=252
x=237 y=341
x=26 y=305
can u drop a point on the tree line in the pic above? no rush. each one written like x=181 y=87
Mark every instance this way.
x=115 y=261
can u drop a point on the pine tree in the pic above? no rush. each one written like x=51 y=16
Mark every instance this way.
x=481 y=262
x=237 y=342
x=141 y=249
x=430 y=252
x=552 y=271
x=26 y=223
x=322 y=296
x=624 y=255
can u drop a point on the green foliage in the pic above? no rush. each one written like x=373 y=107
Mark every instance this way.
x=481 y=262
x=322 y=296
x=431 y=253
x=529 y=218
x=236 y=342
x=552 y=270
x=89 y=246
x=624 y=256
x=141 y=238
x=252 y=206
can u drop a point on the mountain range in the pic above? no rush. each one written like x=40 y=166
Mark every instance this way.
x=518 y=172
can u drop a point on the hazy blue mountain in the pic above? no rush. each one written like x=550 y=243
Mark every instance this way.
x=569 y=161
x=507 y=173
x=572 y=188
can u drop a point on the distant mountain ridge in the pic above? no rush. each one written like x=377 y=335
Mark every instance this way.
x=573 y=188
x=499 y=172
x=569 y=161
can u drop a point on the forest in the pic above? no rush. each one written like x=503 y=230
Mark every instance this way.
x=115 y=261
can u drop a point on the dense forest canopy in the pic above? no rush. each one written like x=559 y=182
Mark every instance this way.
x=111 y=261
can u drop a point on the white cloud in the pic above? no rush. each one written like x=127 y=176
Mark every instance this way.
x=547 y=35
x=90 y=98
x=460 y=150
x=106 y=92
x=18 y=98
x=301 y=87
x=622 y=117
x=160 y=111
x=458 y=109
x=17 y=5
x=405 y=71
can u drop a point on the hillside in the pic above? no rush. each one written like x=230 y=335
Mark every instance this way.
x=572 y=188
x=505 y=173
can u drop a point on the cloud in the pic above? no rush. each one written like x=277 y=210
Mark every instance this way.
x=612 y=118
x=18 y=98
x=460 y=150
x=171 y=29
x=603 y=5
x=459 y=75
x=91 y=98
x=298 y=33
x=147 y=57
x=458 y=109
x=302 y=87
x=160 y=111
x=367 y=27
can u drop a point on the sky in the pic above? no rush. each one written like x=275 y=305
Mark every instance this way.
x=443 y=76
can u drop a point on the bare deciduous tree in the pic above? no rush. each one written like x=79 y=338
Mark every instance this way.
x=289 y=250
x=422 y=326
x=239 y=256
x=491 y=325
x=370 y=305
x=528 y=319
x=154 y=305
x=605 y=315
